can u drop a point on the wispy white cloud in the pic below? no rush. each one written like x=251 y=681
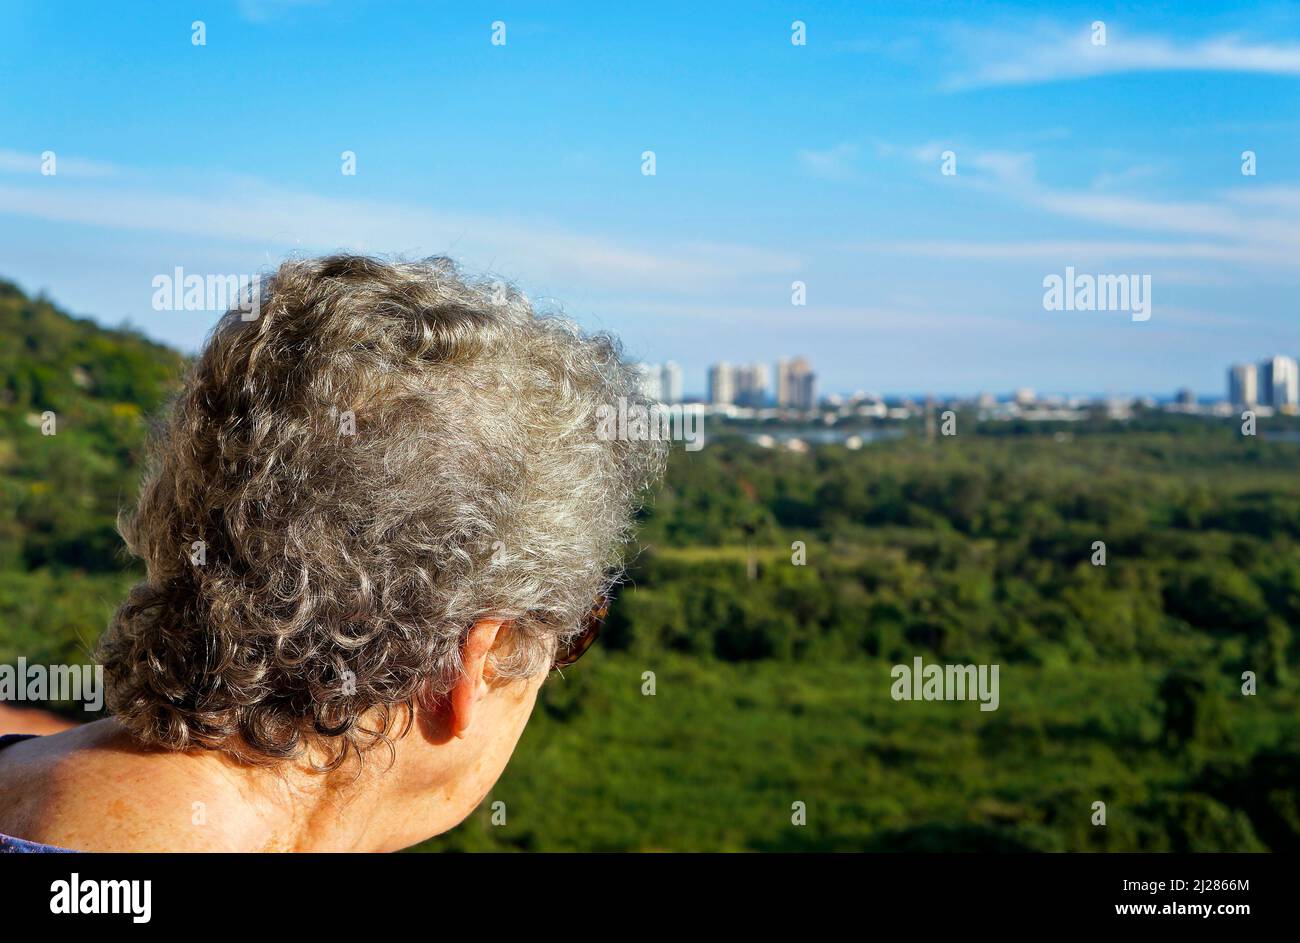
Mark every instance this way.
x=1136 y=173
x=997 y=166
x=835 y=163
x=866 y=318
x=1078 y=250
x=250 y=211
x=1218 y=218
x=1252 y=226
x=21 y=162
x=1055 y=53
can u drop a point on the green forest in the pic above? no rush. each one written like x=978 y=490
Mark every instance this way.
x=742 y=682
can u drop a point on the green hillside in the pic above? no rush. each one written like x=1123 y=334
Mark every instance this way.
x=61 y=566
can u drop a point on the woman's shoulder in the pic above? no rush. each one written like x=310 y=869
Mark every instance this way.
x=10 y=845
x=90 y=789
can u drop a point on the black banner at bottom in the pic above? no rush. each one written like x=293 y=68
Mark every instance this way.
x=328 y=893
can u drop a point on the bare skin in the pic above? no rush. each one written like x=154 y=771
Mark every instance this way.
x=92 y=788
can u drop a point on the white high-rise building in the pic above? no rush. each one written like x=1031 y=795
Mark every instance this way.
x=650 y=379
x=1279 y=382
x=1243 y=384
x=796 y=384
x=722 y=384
x=670 y=383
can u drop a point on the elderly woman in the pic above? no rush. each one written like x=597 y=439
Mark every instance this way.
x=376 y=516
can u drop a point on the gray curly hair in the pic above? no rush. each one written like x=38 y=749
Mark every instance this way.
x=340 y=572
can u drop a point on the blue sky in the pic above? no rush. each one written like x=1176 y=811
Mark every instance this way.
x=775 y=163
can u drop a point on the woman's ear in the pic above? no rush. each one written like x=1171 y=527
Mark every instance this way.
x=472 y=685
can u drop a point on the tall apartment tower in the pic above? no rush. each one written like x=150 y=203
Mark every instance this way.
x=751 y=385
x=796 y=384
x=670 y=383
x=648 y=379
x=1243 y=384
x=1279 y=382
x=722 y=384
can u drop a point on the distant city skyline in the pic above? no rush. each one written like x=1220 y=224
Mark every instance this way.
x=1269 y=381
